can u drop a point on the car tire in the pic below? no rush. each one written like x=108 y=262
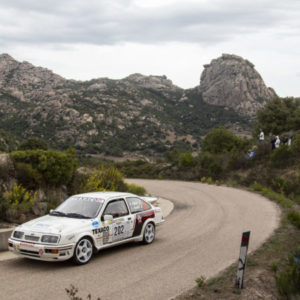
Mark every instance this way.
x=149 y=233
x=83 y=251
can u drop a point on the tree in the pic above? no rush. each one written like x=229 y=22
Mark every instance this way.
x=278 y=116
x=32 y=144
x=220 y=140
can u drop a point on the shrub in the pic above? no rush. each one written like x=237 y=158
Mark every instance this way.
x=200 y=281
x=16 y=202
x=294 y=218
x=106 y=179
x=279 y=115
x=280 y=156
x=220 y=140
x=32 y=144
x=211 y=167
x=135 y=189
x=56 y=168
x=295 y=147
x=288 y=281
x=186 y=160
x=28 y=176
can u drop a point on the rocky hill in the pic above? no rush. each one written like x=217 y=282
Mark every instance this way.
x=141 y=114
x=233 y=82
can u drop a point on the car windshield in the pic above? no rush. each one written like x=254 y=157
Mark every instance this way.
x=79 y=207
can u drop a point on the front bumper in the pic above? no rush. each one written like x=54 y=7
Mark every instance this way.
x=40 y=251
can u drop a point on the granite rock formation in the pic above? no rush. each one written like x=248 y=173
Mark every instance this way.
x=232 y=81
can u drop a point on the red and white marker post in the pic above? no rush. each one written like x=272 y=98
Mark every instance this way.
x=242 y=259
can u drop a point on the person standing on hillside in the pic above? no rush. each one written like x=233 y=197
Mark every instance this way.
x=277 y=142
x=273 y=141
x=261 y=136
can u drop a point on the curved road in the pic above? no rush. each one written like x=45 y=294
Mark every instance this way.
x=200 y=237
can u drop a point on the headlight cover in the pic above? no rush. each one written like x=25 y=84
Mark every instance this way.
x=18 y=234
x=51 y=239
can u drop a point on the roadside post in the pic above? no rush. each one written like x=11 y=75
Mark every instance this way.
x=242 y=259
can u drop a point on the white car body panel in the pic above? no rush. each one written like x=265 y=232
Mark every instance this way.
x=70 y=230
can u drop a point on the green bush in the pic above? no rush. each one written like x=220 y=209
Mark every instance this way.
x=201 y=281
x=32 y=144
x=294 y=218
x=211 y=167
x=55 y=168
x=186 y=160
x=16 y=202
x=295 y=147
x=280 y=157
x=28 y=176
x=288 y=281
x=135 y=189
x=106 y=179
x=220 y=140
x=279 y=115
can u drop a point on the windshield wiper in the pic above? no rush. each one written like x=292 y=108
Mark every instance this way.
x=76 y=215
x=57 y=213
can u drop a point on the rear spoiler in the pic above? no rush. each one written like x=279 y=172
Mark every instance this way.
x=151 y=200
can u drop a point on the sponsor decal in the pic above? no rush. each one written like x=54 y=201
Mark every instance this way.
x=95 y=224
x=100 y=230
x=139 y=219
x=27 y=244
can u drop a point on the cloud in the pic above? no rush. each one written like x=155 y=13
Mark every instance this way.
x=109 y=22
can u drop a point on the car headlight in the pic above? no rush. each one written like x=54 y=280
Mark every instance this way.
x=18 y=234
x=51 y=239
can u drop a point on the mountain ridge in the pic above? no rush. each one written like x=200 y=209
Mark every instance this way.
x=141 y=114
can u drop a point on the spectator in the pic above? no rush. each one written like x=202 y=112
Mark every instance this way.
x=277 y=142
x=261 y=136
x=289 y=143
x=251 y=155
x=273 y=140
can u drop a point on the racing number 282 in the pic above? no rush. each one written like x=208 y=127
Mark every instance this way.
x=119 y=230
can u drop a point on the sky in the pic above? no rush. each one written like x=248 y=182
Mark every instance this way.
x=90 y=39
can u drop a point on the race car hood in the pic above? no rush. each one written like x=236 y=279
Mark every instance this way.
x=54 y=224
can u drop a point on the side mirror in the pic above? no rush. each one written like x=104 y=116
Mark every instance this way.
x=108 y=217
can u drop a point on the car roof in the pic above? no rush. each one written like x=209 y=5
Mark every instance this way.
x=105 y=195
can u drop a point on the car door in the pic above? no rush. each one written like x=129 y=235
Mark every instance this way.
x=121 y=224
x=141 y=211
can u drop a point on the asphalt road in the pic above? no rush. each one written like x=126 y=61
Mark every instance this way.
x=200 y=237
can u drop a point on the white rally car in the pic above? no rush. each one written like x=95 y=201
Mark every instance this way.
x=85 y=223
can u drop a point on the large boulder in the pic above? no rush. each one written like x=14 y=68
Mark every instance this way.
x=232 y=81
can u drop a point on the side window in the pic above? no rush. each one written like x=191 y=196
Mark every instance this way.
x=116 y=208
x=137 y=205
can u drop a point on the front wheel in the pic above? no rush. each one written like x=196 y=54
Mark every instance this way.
x=149 y=233
x=83 y=251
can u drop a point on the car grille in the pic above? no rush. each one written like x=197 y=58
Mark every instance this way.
x=32 y=238
x=29 y=253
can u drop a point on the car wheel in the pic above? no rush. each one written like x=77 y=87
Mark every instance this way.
x=83 y=251
x=149 y=233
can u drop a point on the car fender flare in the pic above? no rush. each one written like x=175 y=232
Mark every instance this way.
x=86 y=234
x=146 y=223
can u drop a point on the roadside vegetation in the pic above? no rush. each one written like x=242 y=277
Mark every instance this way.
x=35 y=180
